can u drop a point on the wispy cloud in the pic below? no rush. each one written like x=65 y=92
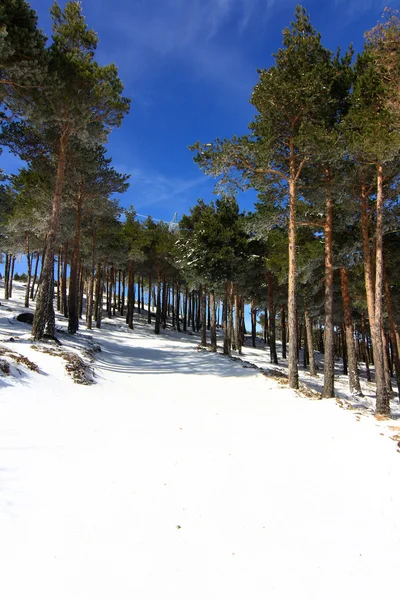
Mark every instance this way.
x=352 y=9
x=151 y=192
x=152 y=34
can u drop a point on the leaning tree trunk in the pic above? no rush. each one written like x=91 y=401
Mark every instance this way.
x=329 y=356
x=354 y=381
x=43 y=314
x=35 y=275
x=10 y=284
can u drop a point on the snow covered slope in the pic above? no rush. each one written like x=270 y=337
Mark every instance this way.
x=181 y=475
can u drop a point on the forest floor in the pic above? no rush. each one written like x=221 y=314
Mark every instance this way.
x=179 y=474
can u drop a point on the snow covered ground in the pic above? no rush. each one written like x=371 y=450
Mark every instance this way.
x=181 y=475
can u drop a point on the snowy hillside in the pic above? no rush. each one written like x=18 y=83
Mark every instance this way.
x=179 y=474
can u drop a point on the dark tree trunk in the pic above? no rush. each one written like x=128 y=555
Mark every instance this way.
x=7 y=277
x=164 y=303
x=158 y=306
x=364 y=347
x=44 y=314
x=139 y=293
x=354 y=381
x=89 y=307
x=265 y=330
x=392 y=334
x=35 y=275
x=226 y=309
x=10 y=285
x=238 y=344
x=123 y=293
x=99 y=296
x=131 y=295
x=213 y=324
x=329 y=355
x=310 y=344
x=203 y=315
x=382 y=392
x=185 y=310
x=283 y=330
x=253 y=313
x=386 y=361
x=81 y=288
x=73 y=317
x=29 y=265
x=178 y=307
x=149 y=302
x=272 y=317
x=342 y=348
x=64 y=302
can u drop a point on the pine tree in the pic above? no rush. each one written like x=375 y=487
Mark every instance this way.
x=79 y=98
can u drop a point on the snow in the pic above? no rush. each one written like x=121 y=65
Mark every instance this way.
x=181 y=475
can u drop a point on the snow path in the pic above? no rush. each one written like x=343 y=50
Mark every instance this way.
x=183 y=476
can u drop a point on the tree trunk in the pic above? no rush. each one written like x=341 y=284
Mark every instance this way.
x=158 y=306
x=392 y=334
x=6 y=277
x=293 y=374
x=89 y=308
x=44 y=316
x=253 y=314
x=29 y=265
x=131 y=295
x=382 y=393
x=329 y=355
x=64 y=303
x=238 y=345
x=99 y=296
x=178 y=307
x=123 y=293
x=73 y=317
x=185 y=310
x=354 y=381
x=310 y=344
x=283 y=330
x=364 y=347
x=10 y=285
x=203 y=316
x=149 y=302
x=227 y=341
x=35 y=275
x=272 y=318
x=213 y=323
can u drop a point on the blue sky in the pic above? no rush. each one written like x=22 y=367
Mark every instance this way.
x=189 y=67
